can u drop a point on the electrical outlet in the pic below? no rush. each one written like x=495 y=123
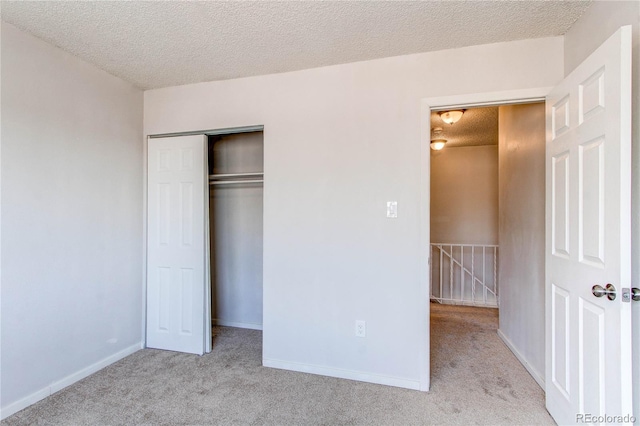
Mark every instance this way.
x=361 y=328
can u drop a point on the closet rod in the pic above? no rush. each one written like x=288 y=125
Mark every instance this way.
x=232 y=175
x=230 y=182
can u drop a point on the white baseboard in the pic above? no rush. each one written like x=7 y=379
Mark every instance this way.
x=69 y=380
x=342 y=374
x=534 y=373
x=226 y=323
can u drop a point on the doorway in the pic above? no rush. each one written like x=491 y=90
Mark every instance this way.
x=468 y=102
x=236 y=176
x=487 y=221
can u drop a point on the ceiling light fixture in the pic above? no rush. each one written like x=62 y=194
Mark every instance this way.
x=452 y=116
x=437 y=142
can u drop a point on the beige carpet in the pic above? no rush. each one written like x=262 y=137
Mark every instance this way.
x=475 y=380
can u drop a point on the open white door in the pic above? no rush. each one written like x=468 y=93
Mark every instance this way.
x=177 y=243
x=588 y=238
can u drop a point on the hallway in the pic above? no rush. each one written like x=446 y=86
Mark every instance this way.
x=478 y=373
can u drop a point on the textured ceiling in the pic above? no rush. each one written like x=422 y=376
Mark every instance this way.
x=165 y=43
x=478 y=126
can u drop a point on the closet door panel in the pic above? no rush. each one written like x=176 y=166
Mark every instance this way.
x=177 y=243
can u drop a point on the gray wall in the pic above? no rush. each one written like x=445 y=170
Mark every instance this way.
x=236 y=232
x=521 y=233
x=71 y=219
x=464 y=195
x=598 y=23
x=340 y=142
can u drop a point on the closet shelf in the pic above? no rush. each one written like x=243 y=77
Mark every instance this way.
x=235 y=182
x=232 y=178
x=221 y=176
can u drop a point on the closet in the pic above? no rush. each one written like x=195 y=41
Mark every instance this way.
x=235 y=222
x=204 y=241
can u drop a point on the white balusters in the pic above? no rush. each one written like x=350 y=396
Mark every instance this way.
x=464 y=267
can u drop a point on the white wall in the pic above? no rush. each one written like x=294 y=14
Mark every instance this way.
x=464 y=195
x=597 y=24
x=71 y=219
x=340 y=142
x=521 y=229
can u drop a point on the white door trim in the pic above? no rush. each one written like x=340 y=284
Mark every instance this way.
x=212 y=132
x=470 y=100
x=505 y=97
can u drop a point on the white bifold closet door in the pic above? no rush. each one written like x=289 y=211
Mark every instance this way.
x=178 y=244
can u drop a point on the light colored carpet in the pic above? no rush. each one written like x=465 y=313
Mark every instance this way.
x=475 y=380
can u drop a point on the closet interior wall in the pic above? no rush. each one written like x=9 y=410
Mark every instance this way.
x=236 y=229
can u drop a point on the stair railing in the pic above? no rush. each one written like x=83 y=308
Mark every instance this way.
x=464 y=274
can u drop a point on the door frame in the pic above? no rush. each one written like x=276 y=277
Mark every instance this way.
x=427 y=105
x=145 y=205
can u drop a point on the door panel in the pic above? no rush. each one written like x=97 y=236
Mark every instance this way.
x=560 y=204
x=177 y=241
x=560 y=342
x=591 y=349
x=588 y=236
x=591 y=202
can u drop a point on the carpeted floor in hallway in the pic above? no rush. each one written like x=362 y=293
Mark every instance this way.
x=475 y=379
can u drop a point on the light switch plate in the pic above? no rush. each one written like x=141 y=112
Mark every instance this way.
x=392 y=209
